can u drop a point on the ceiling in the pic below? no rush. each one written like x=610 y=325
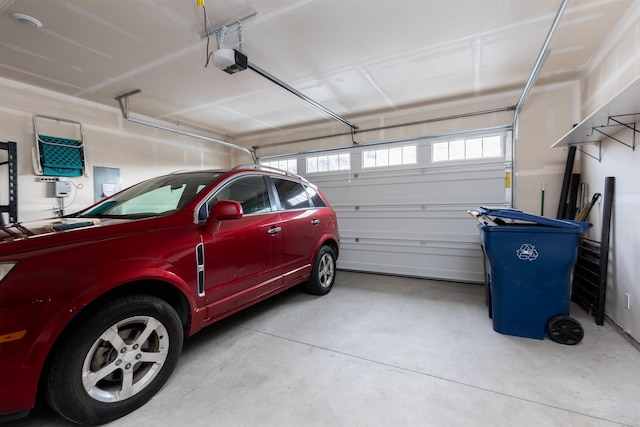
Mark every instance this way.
x=354 y=57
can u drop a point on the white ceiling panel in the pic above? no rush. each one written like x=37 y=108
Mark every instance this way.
x=352 y=56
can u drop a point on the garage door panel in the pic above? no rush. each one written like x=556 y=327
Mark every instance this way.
x=443 y=172
x=410 y=225
x=418 y=189
x=411 y=220
x=460 y=263
x=412 y=176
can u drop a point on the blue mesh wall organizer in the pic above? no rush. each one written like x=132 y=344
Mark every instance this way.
x=58 y=156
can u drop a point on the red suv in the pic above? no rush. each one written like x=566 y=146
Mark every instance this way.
x=94 y=306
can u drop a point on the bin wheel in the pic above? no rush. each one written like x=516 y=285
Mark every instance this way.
x=487 y=298
x=565 y=330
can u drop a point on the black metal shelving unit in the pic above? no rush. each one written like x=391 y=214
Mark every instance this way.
x=12 y=165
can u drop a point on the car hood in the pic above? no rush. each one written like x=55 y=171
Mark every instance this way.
x=13 y=232
x=9 y=233
x=64 y=230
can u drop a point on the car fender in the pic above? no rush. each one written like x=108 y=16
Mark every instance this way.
x=111 y=276
x=323 y=240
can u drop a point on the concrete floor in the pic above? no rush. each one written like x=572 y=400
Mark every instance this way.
x=388 y=351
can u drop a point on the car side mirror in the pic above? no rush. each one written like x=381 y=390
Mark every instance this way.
x=222 y=211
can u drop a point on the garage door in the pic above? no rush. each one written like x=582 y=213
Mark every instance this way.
x=402 y=206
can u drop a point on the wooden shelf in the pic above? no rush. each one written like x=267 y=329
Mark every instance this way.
x=621 y=112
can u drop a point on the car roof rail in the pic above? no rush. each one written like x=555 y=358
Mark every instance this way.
x=271 y=169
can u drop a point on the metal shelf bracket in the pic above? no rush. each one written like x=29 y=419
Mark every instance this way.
x=617 y=123
x=599 y=157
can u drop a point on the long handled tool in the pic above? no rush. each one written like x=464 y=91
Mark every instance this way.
x=584 y=213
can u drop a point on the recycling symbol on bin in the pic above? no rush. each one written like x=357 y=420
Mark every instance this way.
x=527 y=252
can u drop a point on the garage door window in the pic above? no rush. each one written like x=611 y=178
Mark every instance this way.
x=470 y=148
x=289 y=165
x=328 y=163
x=383 y=157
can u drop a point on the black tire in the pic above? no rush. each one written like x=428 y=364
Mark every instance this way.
x=323 y=275
x=565 y=330
x=136 y=338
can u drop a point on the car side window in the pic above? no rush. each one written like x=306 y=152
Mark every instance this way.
x=315 y=197
x=250 y=191
x=292 y=194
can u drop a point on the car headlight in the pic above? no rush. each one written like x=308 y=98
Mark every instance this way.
x=5 y=268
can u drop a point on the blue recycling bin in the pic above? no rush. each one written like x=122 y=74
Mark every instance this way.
x=529 y=261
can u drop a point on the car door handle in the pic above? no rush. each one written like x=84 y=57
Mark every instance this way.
x=315 y=221
x=274 y=230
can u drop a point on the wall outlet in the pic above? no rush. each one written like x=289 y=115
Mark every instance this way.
x=627 y=301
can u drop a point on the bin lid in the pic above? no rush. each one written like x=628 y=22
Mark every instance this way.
x=516 y=214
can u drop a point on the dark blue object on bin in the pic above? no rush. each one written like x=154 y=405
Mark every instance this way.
x=529 y=267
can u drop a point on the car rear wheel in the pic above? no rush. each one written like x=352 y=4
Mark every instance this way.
x=323 y=274
x=116 y=360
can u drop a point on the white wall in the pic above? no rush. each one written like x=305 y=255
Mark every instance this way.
x=615 y=66
x=140 y=152
x=622 y=163
x=547 y=115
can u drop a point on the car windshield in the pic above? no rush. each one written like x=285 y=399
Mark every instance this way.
x=157 y=196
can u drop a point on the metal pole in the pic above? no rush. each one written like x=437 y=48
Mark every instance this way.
x=542 y=57
x=125 y=113
x=359 y=131
x=300 y=95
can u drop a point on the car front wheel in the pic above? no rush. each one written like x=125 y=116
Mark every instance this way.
x=116 y=360
x=323 y=274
